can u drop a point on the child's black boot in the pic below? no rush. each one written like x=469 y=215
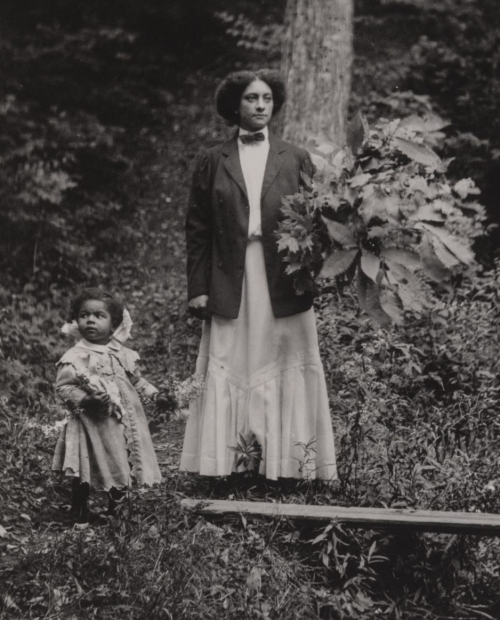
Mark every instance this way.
x=80 y=501
x=115 y=499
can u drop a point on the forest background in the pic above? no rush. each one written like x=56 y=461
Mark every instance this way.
x=103 y=109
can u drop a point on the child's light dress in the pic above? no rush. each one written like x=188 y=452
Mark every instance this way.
x=99 y=448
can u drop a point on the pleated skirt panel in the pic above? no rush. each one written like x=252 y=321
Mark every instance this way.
x=263 y=380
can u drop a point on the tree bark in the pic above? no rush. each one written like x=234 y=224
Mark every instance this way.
x=316 y=63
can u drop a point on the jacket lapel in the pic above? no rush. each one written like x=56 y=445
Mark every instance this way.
x=273 y=165
x=232 y=163
x=274 y=162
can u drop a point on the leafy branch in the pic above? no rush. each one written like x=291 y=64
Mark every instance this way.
x=381 y=214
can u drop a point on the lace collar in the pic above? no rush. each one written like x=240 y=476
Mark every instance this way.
x=112 y=345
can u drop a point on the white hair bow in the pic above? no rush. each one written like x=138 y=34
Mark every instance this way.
x=121 y=333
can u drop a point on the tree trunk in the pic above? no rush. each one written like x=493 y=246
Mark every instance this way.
x=316 y=62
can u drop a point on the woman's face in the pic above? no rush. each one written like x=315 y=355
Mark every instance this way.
x=256 y=106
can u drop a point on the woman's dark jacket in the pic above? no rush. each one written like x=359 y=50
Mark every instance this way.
x=217 y=227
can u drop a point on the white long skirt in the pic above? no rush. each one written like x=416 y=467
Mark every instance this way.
x=263 y=378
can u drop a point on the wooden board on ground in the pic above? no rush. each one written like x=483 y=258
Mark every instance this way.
x=366 y=518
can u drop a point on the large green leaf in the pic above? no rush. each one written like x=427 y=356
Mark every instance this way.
x=338 y=263
x=340 y=233
x=464 y=187
x=320 y=163
x=422 y=124
x=417 y=152
x=400 y=274
x=433 y=267
x=409 y=259
x=409 y=288
x=448 y=259
x=329 y=199
x=376 y=204
x=378 y=232
x=391 y=305
x=289 y=243
x=418 y=184
x=369 y=299
x=360 y=180
x=370 y=264
x=427 y=213
x=459 y=250
x=411 y=298
x=357 y=132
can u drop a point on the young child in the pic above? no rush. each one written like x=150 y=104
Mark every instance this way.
x=106 y=443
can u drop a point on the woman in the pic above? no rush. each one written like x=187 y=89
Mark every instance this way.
x=259 y=349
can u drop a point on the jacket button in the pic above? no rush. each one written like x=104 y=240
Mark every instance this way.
x=219 y=265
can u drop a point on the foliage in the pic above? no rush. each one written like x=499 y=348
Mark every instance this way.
x=262 y=38
x=58 y=165
x=83 y=93
x=352 y=569
x=248 y=453
x=381 y=212
x=458 y=58
x=415 y=416
x=181 y=393
x=367 y=571
x=155 y=561
x=456 y=63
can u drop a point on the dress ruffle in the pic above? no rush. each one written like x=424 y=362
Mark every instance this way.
x=263 y=378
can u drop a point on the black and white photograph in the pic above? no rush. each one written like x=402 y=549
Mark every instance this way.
x=249 y=310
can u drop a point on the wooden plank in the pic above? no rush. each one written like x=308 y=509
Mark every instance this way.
x=365 y=518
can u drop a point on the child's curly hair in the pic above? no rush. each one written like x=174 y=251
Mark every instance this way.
x=114 y=307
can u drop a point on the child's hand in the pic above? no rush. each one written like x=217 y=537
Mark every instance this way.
x=164 y=402
x=95 y=403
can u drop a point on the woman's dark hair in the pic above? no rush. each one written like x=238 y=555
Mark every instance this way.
x=232 y=87
x=114 y=307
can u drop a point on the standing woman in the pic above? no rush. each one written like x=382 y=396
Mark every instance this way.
x=259 y=350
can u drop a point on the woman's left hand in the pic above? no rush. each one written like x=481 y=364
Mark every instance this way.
x=198 y=307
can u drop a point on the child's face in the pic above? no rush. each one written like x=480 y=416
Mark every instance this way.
x=94 y=321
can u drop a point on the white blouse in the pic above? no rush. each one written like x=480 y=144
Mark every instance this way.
x=253 y=159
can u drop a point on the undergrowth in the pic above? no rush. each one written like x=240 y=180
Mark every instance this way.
x=414 y=412
x=156 y=561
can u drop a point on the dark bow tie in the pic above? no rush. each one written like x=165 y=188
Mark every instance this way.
x=252 y=138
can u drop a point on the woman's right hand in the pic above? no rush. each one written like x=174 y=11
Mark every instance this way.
x=198 y=307
x=95 y=403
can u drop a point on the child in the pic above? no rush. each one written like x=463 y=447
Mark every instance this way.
x=106 y=442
